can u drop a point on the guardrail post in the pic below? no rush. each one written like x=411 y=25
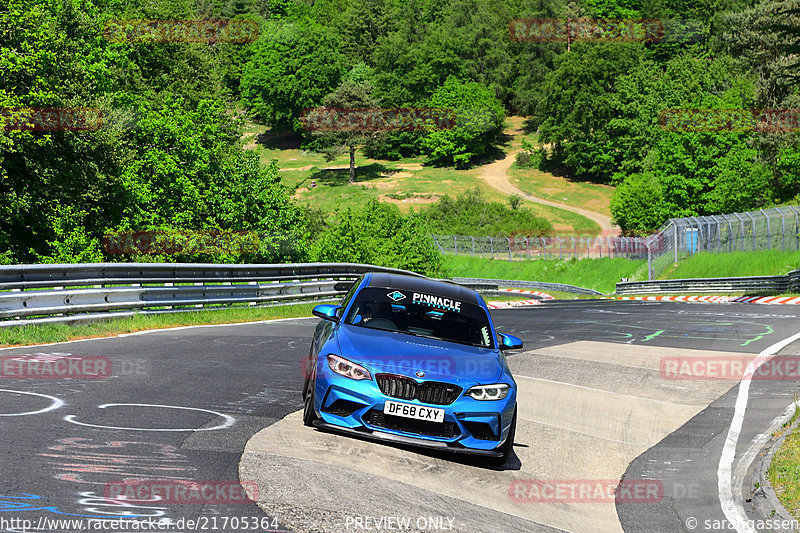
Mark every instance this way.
x=649 y=261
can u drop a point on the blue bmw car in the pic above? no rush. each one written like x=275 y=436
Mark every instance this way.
x=415 y=361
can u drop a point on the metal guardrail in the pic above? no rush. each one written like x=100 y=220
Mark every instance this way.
x=48 y=290
x=774 y=284
x=94 y=291
x=76 y=291
x=536 y=285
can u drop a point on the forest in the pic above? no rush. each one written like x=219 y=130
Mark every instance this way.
x=169 y=154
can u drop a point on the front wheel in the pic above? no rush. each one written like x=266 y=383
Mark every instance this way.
x=309 y=415
x=507 y=449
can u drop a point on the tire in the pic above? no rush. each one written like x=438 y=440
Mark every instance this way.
x=309 y=415
x=507 y=449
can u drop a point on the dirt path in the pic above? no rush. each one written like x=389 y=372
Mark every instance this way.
x=496 y=175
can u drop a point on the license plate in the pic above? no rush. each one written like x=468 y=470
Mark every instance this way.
x=418 y=412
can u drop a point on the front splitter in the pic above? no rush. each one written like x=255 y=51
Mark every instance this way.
x=401 y=439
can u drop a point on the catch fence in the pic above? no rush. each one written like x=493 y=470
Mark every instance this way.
x=764 y=229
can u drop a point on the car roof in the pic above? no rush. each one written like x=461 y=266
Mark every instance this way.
x=423 y=285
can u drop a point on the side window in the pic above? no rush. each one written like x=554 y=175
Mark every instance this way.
x=349 y=296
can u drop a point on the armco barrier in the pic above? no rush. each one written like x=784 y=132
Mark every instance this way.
x=538 y=285
x=47 y=290
x=758 y=284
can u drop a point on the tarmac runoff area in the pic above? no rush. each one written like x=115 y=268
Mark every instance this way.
x=587 y=409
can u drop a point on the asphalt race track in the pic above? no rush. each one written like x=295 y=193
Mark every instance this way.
x=220 y=403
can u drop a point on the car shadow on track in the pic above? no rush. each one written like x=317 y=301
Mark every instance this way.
x=453 y=457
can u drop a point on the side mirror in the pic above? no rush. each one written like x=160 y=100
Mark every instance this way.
x=509 y=342
x=327 y=312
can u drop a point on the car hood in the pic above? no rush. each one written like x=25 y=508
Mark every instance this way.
x=382 y=351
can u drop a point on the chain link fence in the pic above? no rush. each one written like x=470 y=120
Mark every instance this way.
x=519 y=248
x=777 y=228
x=765 y=229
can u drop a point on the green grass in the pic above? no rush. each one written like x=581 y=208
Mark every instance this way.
x=598 y=274
x=558 y=295
x=723 y=265
x=784 y=471
x=47 y=333
x=408 y=183
x=589 y=196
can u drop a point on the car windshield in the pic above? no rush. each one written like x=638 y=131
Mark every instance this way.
x=421 y=314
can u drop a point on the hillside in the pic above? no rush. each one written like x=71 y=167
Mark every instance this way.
x=409 y=183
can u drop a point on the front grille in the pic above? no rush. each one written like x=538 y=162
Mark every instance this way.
x=446 y=430
x=342 y=408
x=432 y=392
x=480 y=430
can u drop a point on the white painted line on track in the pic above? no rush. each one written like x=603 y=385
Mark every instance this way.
x=55 y=405
x=733 y=506
x=641 y=398
x=571 y=430
x=229 y=420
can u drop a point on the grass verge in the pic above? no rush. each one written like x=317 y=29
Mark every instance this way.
x=598 y=274
x=48 y=333
x=723 y=265
x=590 y=196
x=784 y=471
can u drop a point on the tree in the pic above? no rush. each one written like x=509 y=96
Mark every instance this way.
x=479 y=118
x=638 y=204
x=349 y=95
x=377 y=233
x=578 y=105
x=289 y=72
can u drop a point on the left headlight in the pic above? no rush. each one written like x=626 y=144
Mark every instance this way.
x=346 y=368
x=498 y=391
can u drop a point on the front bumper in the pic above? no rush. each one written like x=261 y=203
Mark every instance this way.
x=382 y=436
x=356 y=408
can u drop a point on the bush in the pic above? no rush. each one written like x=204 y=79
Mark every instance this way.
x=471 y=214
x=638 y=205
x=377 y=233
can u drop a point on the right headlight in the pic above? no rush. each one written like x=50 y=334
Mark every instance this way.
x=346 y=368
x=498 y=391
